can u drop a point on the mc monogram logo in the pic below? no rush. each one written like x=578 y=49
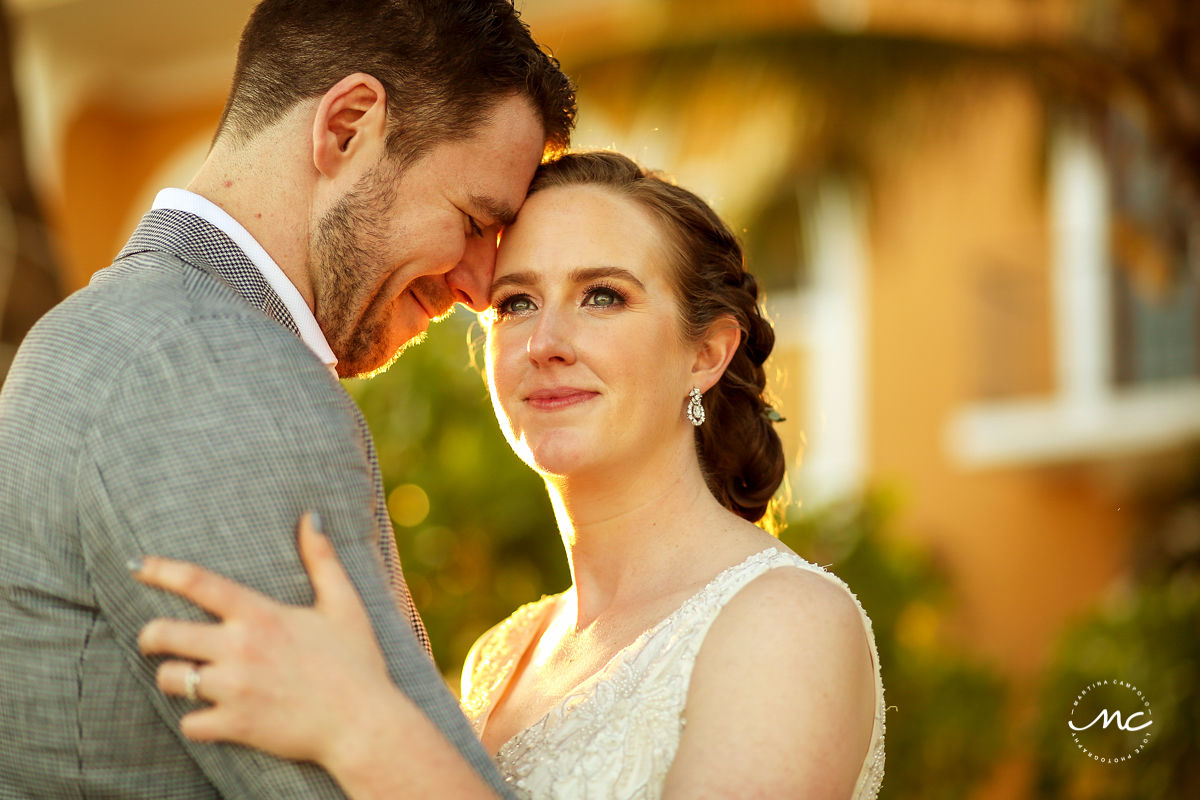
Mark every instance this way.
x=1110 y=721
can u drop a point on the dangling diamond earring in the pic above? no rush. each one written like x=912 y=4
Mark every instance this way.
x=695 y=411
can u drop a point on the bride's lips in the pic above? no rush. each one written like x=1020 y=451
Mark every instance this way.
x=557 y=398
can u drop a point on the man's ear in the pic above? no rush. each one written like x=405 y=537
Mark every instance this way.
x=350 y=123
x=715 y=351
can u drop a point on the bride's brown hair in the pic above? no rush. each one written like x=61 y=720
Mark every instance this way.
x=739 y=449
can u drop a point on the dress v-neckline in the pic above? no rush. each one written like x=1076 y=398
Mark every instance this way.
x=536 y=626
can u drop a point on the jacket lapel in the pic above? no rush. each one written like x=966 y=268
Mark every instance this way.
x=204 y=246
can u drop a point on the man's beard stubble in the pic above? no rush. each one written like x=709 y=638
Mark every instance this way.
x=346 y=263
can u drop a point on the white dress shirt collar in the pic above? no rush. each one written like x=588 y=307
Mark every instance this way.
x=310 y=332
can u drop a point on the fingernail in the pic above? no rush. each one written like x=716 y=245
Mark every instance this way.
x=134 y=564
x=315 y=520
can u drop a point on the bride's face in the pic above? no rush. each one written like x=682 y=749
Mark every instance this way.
x=585 y=361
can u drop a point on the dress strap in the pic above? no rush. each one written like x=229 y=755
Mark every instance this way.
x=493 y=659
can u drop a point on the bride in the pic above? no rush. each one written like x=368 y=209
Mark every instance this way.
x=693 y=655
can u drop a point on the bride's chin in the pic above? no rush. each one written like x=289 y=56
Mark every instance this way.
x=557 y=459
x=552 y=467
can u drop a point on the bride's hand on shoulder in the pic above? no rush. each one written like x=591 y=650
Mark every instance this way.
x=293 y=681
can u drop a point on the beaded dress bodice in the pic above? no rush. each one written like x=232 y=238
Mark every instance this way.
x=616 y=735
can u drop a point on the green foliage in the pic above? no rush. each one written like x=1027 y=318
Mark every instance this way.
x=489 y=542
x=1146 y=634
x=945 y=712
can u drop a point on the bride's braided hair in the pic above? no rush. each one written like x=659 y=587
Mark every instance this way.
x=739 y=449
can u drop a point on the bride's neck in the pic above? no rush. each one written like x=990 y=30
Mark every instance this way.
x=625 y=531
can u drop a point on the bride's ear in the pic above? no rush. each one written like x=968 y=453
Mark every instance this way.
x=715 y=351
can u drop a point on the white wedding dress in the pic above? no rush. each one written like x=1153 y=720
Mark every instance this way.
x=617 y=734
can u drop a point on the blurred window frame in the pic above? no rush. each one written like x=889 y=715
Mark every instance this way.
x=1102 y=406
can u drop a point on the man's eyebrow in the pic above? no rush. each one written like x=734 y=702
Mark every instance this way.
x=494 y=210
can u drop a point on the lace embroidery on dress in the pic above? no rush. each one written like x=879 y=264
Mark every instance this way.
x=616 y=735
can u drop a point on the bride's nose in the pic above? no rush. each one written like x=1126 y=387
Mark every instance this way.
x=552 y=339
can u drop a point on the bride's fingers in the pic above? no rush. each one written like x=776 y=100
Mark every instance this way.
x=332 y=588
x=200 y=641
x=218 y=718
x=212 y=724
x=212 y=592
x=171 y=678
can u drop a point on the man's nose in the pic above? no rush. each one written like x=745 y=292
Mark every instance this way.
x=471 y=278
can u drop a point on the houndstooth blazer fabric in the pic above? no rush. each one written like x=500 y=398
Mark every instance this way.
x=170 y=408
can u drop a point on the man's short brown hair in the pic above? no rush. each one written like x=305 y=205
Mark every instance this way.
x=443 y=63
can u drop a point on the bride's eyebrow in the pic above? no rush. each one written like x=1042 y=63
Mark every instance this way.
x=589 y=274
x=523 y=280
x=518 y=279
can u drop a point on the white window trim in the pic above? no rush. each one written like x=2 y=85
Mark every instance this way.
x=1087 y=418
x=827 y=321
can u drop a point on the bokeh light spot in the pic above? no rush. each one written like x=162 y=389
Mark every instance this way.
x=408 y=504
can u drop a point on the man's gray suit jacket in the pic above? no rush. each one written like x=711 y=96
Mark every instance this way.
x=170 y=408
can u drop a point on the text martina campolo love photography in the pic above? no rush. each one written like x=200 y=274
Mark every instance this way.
x=1111 y=721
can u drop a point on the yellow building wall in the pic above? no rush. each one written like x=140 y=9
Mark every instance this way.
x=108 y=156
x=1028 y=548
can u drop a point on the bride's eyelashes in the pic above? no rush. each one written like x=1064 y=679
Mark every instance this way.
x=602 y=295
x=512 y=305
x=595 y=296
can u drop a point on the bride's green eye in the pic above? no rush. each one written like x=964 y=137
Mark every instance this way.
x=601 y=297
x=517 y=304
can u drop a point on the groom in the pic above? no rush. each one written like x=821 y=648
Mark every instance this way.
x=186 y=403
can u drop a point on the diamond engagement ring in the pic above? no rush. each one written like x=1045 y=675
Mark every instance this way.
x=191 y=684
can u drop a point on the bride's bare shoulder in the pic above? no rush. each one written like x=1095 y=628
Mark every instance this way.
x=800 y=635
x=797 y=599
x=797 y=627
